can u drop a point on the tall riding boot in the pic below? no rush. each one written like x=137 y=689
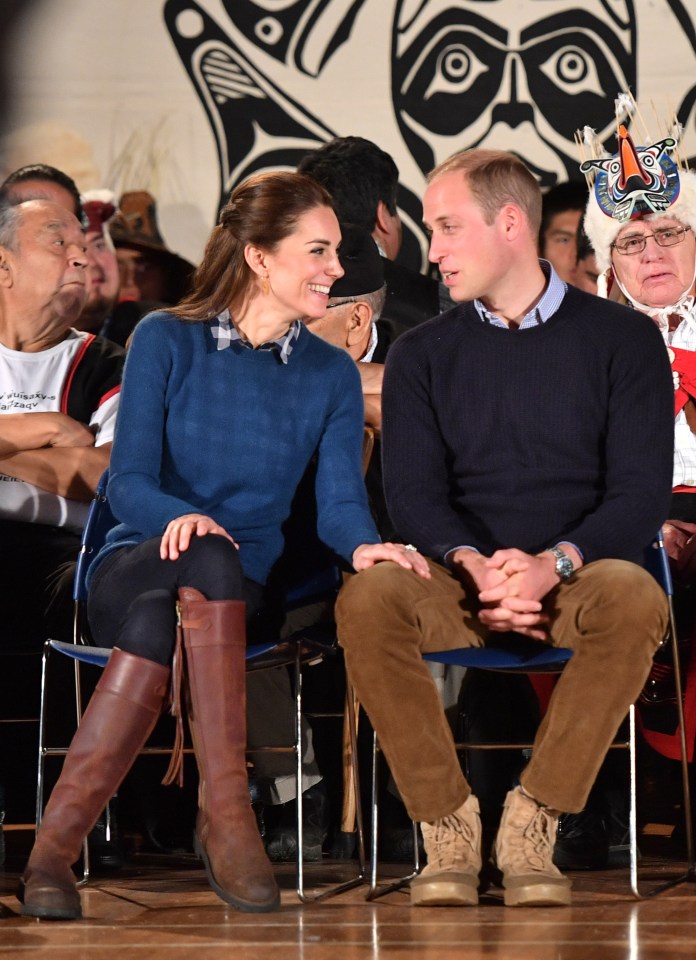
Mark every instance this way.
x=227 y=836
x=118 y=720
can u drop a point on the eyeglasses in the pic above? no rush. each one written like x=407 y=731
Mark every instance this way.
x=667 y=237
x=340 y=303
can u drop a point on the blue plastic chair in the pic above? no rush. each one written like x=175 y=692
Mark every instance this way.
x=528 y=656
x=307 y=646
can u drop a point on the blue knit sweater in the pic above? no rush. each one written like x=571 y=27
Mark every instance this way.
x=521 y=438
x=229 y=433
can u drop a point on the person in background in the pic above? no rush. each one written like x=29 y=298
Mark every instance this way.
x=586 y=271
x=562 y=208
x=59 y=392
x=648 y=260
x=103 y=278
x=39 y=181
x=363 y=181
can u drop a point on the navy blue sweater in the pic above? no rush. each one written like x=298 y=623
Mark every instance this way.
x=520 y=438
x=229 y=433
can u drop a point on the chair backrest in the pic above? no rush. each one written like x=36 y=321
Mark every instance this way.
x=656 y=562
x=100 y=520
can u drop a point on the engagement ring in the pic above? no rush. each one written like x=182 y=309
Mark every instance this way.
x=409 y=548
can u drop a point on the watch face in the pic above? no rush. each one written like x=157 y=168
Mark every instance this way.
x=564 y=565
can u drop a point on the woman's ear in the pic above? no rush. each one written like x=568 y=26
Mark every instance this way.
x=256 y=259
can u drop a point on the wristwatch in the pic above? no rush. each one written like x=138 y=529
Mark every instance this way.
x=564 y=565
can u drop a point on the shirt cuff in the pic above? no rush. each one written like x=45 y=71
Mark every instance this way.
x=573 y=545
x=463 y=546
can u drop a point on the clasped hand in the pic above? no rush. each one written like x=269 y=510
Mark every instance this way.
x=511 y=585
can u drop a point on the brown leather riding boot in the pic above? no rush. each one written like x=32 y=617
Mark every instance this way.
x=227 y=836
x=118 y=720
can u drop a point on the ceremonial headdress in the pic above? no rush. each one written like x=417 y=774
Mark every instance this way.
x=638 y=181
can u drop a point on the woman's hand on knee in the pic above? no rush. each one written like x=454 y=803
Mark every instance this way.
x=368 y=554
x=177 y=537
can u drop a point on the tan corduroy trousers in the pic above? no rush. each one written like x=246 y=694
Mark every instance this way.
x=612 y=614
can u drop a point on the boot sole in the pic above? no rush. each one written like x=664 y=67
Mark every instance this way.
x=247 y=906
x=46 y=913
x=538 y=895
x=444 y=892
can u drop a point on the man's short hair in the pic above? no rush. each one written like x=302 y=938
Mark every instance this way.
x=10 y=216
x=569 y=195
x=496 y=178
x=41 y=171
x=358 y=174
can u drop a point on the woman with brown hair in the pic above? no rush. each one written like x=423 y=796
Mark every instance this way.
x=225 y=401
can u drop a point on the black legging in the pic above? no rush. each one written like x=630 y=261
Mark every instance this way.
x=131 y=602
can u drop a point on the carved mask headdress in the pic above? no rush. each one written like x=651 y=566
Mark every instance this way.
x=638 y=182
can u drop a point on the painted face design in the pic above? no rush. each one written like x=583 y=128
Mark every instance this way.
x=637 y=180
x=464 y=76
x=256 y=112
x=278 y=78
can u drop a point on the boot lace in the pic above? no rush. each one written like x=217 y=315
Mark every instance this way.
x=449 y=841
x=532 y=846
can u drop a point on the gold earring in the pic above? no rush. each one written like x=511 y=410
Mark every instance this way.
x=265 y=286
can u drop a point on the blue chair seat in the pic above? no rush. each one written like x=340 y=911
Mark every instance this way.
x=544 y=660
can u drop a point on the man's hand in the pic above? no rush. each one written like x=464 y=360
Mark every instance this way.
x=34 y=431
x=512 y=585
x=514 y=613
x=680 y=544
x=177 y=536
x=371 y=376
x=68 y=432
x=368 y=554
x=677 y=534
x=497 y=580
x=528 y=577
x=470 y=565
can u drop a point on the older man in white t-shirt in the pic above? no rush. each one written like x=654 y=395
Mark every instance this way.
x=58 y=400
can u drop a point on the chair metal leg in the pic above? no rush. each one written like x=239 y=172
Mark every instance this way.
x=378 y=890
x=633 y=811
x=361 y=877
x=44 y=750
x=42 y=727
x=690 y=875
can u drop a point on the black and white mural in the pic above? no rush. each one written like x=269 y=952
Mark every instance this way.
x=190 y=96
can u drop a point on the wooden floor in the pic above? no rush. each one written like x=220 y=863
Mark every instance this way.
x=162 y=907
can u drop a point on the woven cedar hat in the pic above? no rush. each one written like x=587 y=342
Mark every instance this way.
x=135 y=226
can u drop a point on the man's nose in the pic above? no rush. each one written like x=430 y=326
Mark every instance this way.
x=77 y=256
x=434 y=252
x=652 y=248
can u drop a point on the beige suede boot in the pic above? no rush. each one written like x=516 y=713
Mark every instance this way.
x=453 y=848
x=524 y=851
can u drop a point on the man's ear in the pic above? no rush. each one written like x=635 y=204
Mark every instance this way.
x=383 y=218
x=512 y=219
x=5 y=268
x=358 y=323
x=387 y=230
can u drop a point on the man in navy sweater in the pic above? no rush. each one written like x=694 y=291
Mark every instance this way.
x=527 y=444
